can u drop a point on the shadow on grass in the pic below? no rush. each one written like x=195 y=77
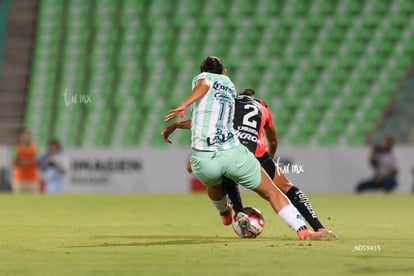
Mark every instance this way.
x=379 y=268
x=161 y=240
x=365 y=270
x=385 y=257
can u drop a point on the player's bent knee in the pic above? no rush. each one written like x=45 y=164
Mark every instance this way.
x=267 y=194
x=285 y=186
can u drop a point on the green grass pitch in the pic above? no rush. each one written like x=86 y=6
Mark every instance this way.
x=182 y=235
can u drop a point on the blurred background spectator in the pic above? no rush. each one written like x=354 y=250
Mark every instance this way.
x=53 y=166
x=385 y=166
x=25 y=173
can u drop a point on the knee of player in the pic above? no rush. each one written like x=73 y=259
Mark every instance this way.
x=284 y=186
x=270 y=195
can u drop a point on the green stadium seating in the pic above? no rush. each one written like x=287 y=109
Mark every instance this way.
x=327 y=68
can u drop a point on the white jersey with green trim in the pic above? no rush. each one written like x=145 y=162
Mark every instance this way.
x=212 y=115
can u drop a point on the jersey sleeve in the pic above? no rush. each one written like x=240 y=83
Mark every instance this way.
x=199 y=77
x=267 y=115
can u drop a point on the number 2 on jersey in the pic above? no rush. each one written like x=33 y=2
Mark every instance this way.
x=247 y=118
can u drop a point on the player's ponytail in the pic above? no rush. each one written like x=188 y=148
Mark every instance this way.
x=212 y=64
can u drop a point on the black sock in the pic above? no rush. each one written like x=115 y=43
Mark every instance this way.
x=302 y=203
x=232 y=190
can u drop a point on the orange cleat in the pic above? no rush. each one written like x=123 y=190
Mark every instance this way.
x=320 y=235
x=327 y=235
x=226 y=217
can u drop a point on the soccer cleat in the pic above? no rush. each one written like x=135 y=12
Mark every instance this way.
x=244 y=224
x=320 y=235
x=327 y=235
x=306 y=235
x=226 y=217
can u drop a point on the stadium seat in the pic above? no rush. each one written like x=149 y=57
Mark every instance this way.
x=323 y=63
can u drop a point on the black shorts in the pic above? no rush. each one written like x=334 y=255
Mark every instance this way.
x=268 y=165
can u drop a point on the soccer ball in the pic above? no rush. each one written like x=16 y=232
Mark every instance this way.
x=257 y=223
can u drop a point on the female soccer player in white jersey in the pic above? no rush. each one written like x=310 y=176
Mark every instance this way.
x=253 y=123
x=217 y=152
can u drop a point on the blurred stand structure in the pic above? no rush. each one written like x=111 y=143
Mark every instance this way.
x=398 y=118
x=329 y=68
x=19 y=18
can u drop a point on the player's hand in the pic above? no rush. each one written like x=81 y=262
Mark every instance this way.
x=167 y=132
x=189 y=169
x=178 y=113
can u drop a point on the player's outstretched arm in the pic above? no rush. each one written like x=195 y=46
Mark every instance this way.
x=271 y=136
x=270 y=129
x=171 y=128
x=184 y=124
x=200 y=89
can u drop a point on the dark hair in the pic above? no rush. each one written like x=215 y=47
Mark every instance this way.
x=55 y=142
x=212 y=64
x=389 y=138
x=248 y=92
x=25 y=131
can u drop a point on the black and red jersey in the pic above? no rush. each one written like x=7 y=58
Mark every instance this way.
x=251 y=117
